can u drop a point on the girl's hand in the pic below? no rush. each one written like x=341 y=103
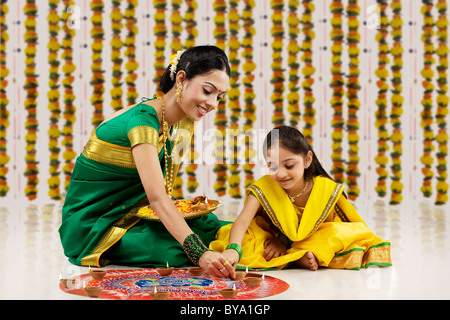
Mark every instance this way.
x=232 y=256
x=274 y=247
x=216 y=264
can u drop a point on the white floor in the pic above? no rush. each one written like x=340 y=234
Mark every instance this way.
x=31 y=258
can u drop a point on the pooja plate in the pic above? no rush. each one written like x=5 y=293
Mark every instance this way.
x=185 y=207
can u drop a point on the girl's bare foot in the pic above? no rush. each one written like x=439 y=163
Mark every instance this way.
x=308 y=261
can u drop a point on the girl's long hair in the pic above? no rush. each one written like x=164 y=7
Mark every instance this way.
x=293 y=140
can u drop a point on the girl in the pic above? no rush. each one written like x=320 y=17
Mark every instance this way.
x=297 y=215
x=128 y=162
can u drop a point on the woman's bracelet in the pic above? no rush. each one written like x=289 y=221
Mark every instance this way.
x=236 y=247
x=194 y=248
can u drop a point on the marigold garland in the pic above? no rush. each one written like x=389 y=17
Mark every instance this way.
x=277 y=80
x=381 y=114
x=442 y=103
x=353 y=87
x=220 y=168
x=176 y=45
x=191 y=35
x=53 y=100
x=116 y=58
x=427 y=114
x=130 y=52
x=308 y=70
x=293 y=49
x=234 y=45
x=97 y=80
x=249 y=95
x=160 y=31
x=337 y=84
x=31 y=84
x=4 y=113
x=69 y=109
x=397 y=103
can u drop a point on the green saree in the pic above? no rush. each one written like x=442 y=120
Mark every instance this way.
x=98 y=222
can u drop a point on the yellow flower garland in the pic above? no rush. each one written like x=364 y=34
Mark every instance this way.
x=97 y=80
x=116 y=46
x=220 y=121
x=31 y=84
x=160 y=31
x=130 y=52
x=53 y=100
x=69 y=109
x=397 y=102
x=234 y=45
x=192 y=33
x=442 y=103
x=249 y=95
x=337 y=85
x=293 y=49
x=308 y=70
x=277 y=80
x=4 y=113
x=353 y=87
x=427 y=102
x=381 y=115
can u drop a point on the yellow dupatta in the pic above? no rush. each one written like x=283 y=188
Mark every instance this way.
x=330 y=227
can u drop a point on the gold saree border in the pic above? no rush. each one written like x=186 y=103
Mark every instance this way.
x=104 y=152
x=114 y=234
x=143 y=134
x=356 y=258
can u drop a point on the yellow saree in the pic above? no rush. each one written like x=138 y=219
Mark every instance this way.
x=329 y=227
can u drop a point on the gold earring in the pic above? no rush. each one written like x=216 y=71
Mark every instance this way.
x=178 y=93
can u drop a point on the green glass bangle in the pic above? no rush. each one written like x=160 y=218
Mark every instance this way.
x=194 y=248
x=236 y=247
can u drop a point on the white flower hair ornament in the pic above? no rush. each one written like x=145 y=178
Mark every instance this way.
x=174 y=59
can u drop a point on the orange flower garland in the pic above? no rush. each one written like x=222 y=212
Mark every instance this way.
x=353 y=87
x=249 y=95
x=234 y=45
x=442 y=103
x=130 y=52
x=69 y=109
x=53 y=100
x=31 y=84
x=337 y=84
x=220 y=168
x=160 y=31
x=293 y=49
x=97 y=80
x=277 y=64
x=427 y=102
x=397 y=102
x=308 y=70
x=4 y=113
x=381 y=115
x=116 y=46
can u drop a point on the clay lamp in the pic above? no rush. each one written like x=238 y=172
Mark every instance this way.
x=159 y=295
x=92 y=292
x=229 y=293
x=240 y=275
x=97 y=274
x=196 y=271
x=67 y=283
x=165 y=271
x=253 y=281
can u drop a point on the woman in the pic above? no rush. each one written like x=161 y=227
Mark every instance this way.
x=131 y=161
x=297 y=215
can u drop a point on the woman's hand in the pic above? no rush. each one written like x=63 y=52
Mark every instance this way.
x=216 y=264
x=274 y=247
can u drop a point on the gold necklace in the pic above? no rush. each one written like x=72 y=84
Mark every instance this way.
x=168 y=179
x=298 y=195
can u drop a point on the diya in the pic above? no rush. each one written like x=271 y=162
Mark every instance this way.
x=196 y=271
x=165 y=271
x=68 y=283
x=97 y=274
x=253 y=281
x=93 y=292
x=159 y=295
x=229 y=293
x=240 y=275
